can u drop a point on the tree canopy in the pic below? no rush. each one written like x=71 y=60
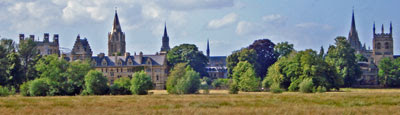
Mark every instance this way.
x=188 y=53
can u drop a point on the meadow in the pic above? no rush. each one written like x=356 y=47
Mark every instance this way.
x=347 y=101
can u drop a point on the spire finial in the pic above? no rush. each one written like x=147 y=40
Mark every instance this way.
x=165 y=29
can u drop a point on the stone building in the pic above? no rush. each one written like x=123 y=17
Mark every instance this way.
x=120 y=63
x=81 y=50
x=116 y=39
x=44 y=47
x=216 y=67
x=382 y=47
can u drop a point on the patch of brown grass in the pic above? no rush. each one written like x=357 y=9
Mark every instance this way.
x=354 y=101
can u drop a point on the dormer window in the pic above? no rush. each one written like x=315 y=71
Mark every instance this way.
x=104 y=62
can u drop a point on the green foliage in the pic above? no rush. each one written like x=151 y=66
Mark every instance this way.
x=342 y=57
x=141 y=82
x=283 y=49
x=241 y=55
x=389 y=72
x=233 y=88
x=245 y=77
x=4 y=92
x=95 y=83
x=276 y=89
x=39 y=87
x=183 y=80
x=188 y=53
x=361 y=58
x=75 y=75
x=266 y=56
x=29 y=56
x=321 y=89
x=220 y=83
x=205 y=87
x=306 y=86
x=121 y=86
x=11 y=74
x=24 y=88
x=289 y=72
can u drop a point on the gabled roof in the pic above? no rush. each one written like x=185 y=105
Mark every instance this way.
x=112 y=60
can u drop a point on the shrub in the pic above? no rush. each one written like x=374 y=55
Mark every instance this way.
x=4 y=92
x=245 y=76
x=321 y=89
x=121 y=86
x=276 y=89
x=220 y=83
x=141 y=82
x=205 y=87
x=306 y=86
x=24 y=89
x=233 y=89
x=38 y=87
x=183 y=80
x=95 y=83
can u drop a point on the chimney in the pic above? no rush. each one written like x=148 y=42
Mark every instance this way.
x=100 y=55
x=55 y=38
x=127 y=54
x=32 y=37
x=140 y=57
x=46 y=37
x=21 y=37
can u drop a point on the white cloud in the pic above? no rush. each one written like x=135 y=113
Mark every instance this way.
x=268 y=24
x=249 y=28
x=219 y=23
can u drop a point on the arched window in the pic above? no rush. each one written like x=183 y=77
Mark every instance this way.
x=386 y=45
x=378 y=46
x=157 y=77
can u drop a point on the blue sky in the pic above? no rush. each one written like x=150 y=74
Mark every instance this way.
x=229 y=24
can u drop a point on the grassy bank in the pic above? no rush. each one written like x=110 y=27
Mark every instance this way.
x=350 y=101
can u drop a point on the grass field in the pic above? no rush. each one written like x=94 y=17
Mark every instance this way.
x=350 y=101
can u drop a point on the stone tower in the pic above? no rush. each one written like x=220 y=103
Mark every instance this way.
x=353 y=37
x=208 y=49
x=165 y=41
x=116 y=39
x=382 y=44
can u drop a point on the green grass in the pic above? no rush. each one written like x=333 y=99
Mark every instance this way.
x=348 y=101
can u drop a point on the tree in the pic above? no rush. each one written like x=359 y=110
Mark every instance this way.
x=389 y=72
x=245 y=78
x=361 y=58
x=188 y=53
x=244 y=54
x=75 y=75
x=342 y=56
x=121 y=86
x=183 y=80
x=283 y=49
x=141 y=82
x=321 y=52
x=29 y=57
x=10 y=65
x=266 y=56
x=289 y=72
x=39 y=87
x=95 y=83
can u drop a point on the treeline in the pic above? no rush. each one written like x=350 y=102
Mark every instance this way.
x=266 y=66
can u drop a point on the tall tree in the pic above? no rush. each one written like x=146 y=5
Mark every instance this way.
x=245 y=78
x=342 y=56
x=389 y=72
x=244 y=54
x=283 y=49
x=266 y=56
x=188 y=53
x=29 y=57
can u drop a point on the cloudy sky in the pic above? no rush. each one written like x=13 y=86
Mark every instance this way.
x=229 y=24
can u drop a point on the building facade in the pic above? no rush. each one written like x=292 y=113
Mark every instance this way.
x=44 y=47
x=81 y=50
x=382 y=47
x=216 y=67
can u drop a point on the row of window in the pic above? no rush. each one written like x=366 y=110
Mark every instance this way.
x=387 y=46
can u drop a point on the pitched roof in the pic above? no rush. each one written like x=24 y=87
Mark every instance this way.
x=112 y=60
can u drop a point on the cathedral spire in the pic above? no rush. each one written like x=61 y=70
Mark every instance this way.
x=165 y=40
x=208 y=49
x=116 y=24
x=353 y=25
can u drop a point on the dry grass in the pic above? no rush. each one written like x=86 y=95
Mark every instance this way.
x=352 y=101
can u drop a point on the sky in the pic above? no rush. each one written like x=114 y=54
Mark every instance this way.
x=228 y=24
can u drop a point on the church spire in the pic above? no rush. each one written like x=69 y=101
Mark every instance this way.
x=165 y=40
x=353 y=25
x=208 y=49
x=116 y=24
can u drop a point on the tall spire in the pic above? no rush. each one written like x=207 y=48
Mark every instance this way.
x=353 y=25
x=165 y=29
x=116 y=24
x=165 y=40
x=208 y=49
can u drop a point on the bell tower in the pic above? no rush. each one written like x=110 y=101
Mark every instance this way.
x=116 y=39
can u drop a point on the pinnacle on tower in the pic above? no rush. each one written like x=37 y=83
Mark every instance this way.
x=208 y=49
x=373 y=29
x=383 y=31
x=353 y=24
x=391 y=29
x=165 y=29
x=116 y=24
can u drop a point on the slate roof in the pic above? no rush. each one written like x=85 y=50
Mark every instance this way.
x=217 y=61
x=112 y=60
